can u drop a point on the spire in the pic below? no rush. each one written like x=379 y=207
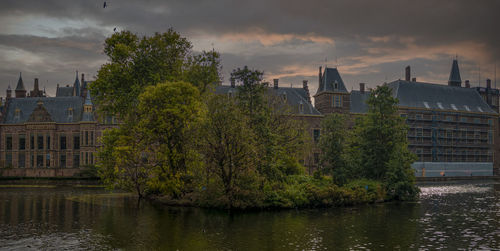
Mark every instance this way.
x=76 y=86
x=455 y=79
x=87 y=108
x=88 y=100
x=20 y=84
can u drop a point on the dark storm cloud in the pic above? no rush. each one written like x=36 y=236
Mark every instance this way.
x=373 y=40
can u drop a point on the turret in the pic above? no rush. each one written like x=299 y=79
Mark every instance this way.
x=9 y=92
x=455 y=79
x=20 y=90
x=76 y=86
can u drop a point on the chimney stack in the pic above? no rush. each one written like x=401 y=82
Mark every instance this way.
x=35 y=88
x=306 y=88
x=488 y=83
x=362 y=87
x=233 y=83
x=275 y=83
x=414 y=79
x=467 y=84
x=407 y=73
x=83 y=78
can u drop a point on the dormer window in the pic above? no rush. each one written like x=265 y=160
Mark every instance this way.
x=301 y=107
x=284 y=96
x=230 y=94
x=336 y=85
x=17 y=114
x=70 y=112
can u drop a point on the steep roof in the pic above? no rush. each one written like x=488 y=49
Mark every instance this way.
x=295 y=97
x=330 y=77
x=455 y=73
x=57 y=107
x=65 y=91
x=20 y=84
x=440 y=97
x=358 y=101
x=76 y=85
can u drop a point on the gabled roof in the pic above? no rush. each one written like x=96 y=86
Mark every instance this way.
x=439 y=97
x=455 y=73
x=20 y=84
x=57 y=107
x=330 y=77
x=295 y=97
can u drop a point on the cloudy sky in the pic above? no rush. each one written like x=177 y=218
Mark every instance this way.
x=370 y=41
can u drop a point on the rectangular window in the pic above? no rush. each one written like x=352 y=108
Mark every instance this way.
x=76 y=160
x=39 y=142
x=463 y=119
x=477 y=134
x=62 y=143
x=477 y=120
x=32 y=142
x=91 y=158
x=86 y=138
x=316 y=158
x=39 y=160
x=32 y=161
x=47 y=160
x=490 y=122
x=8 y=159
x=419 y=116
x=490 y=137
x=449 y=118
x=48 y=141
x=86 y=158
x=92 y=138
x=76 y=142
x=419 y=132
x=316 y=135
x=22 y=142
x=449 y=133
x=8 y=142
x=62 y=160
x=21 y=161
x=337 y=101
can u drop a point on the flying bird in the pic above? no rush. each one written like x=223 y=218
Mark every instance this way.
x=104 y=5
x=114 y=29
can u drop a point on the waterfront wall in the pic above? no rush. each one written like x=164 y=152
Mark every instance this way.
x=452 y=169
x=39 y=172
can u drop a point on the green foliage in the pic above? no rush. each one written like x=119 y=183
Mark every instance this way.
x=333 y=148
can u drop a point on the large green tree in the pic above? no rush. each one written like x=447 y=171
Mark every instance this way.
x=333 y=144
x=383 y=145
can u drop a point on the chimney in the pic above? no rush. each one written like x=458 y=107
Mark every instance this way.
x=35 y=88
x=306 y=88
x=233 y=83
x=319 y=77
x=362 y=87
x=83 y=78
x=276 y=83
x=407 y=73
x=9 y=92
x=467 y=84
x=414 y=79
x=488 y=83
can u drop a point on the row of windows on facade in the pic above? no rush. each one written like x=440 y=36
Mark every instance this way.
x=450 y=155
x=448 y=118
x=86 y=157
x=458 y=134
x=88 y=137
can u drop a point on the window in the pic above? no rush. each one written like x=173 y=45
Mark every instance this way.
x=337 y=101
x=47 y=160
x=449 y=118
x=17 y=114
x=39 y=142
x=62 y=160
x=21 y=162
x=316 y=135
x=76 y=160
x=463 y=119
x=39 y=160
x=301 y=108
x=76 y=142
x=316 y=158
x=336 y=85
x=419 y=132
x=477 y=134
x=419 y=154
x=91 y=158
x=8 y=159
x=284 y=96
x=48 y=141
x=32 y=142
x=62 y=142
x=32 y=160
x=22 y=142
x=419 y=116
x=449 y=133
x=477 y=120
x=403 y=115
x=86 y=138
x=8 y=142
x=490 y=122
x=86 y=158
x=490 y=137
x=92 y=138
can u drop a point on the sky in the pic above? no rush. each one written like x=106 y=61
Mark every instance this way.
x=369 y=41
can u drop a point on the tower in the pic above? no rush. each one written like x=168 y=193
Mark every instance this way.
x=88 y=108
x=332 y=95
x=76 y=86
x=20 y=90
x=455 y=79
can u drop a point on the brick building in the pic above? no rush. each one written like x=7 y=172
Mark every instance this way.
x=48 y=136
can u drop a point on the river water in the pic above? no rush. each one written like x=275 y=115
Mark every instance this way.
x=452 y=215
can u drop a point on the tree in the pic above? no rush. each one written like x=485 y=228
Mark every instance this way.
x=332 y=143
x=228 y=145
x=383 y=145
x=168 y=115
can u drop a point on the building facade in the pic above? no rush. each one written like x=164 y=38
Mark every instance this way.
x=48 y=136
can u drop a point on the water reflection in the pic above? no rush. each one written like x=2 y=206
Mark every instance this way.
x=449 y=216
